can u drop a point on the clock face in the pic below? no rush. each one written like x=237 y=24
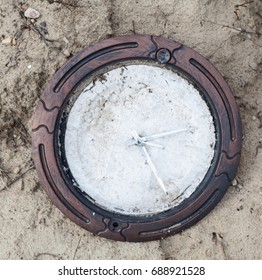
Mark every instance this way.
x=124 y=176
x=136 y=138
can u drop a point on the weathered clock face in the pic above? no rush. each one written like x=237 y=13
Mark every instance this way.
x=136 y=138
x=111 y=168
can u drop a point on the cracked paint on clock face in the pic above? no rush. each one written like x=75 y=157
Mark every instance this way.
x=149 y=100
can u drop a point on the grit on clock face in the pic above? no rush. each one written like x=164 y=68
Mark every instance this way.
x=119 y=171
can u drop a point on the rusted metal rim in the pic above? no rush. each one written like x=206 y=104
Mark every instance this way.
x=192 y=66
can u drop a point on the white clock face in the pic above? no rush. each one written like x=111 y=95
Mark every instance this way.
x=140 y=140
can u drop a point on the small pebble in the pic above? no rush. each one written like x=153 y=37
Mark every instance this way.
x=240 y=186
x=65 y=40
x=13 y=41
x=234 y=182
x=25 y=7
x=236 y=30
x=67 y=53
x=16 y=170
x=32 y=20
x=208 y=253
x=32 y=13
x=7 y=41
x=29 y=66
x=249 y=36
x=254 y=118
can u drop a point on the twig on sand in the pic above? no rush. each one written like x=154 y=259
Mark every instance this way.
x=244 y=4
x=16 y=179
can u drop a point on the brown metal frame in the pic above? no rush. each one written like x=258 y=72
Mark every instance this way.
x=183 y=60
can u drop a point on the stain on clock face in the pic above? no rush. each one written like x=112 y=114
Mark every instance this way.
x=140 y=140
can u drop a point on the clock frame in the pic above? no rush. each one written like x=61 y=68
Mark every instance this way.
x=47 y=130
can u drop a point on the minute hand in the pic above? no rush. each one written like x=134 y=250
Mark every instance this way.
x=160 y=135
x=152 y=166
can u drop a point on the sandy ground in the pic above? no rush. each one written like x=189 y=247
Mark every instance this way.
x=227 y=32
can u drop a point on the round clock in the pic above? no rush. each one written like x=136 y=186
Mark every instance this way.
x=136 y=138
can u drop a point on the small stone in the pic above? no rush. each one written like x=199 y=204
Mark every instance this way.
x=236 y=30
x=254 y=118
x=7 y=41
x=25 y=7
x=29 y=66
x=13 y=41
x=240 y=187
x=208 y=252
x=234 y=182
x=67 y=53
x=65 y=40
x=32 y=20
x=32 y=13
x=16 y=170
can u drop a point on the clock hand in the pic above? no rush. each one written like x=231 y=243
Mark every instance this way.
x=144 y=140
x=152 y=166
x=153 y=145
x=149 y=161
x=159 y=135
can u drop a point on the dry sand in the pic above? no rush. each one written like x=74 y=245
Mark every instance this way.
x=225 y=31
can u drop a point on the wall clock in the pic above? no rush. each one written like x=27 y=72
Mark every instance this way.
x=136 y=138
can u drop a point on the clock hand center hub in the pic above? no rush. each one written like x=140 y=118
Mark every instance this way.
x=138 y=140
